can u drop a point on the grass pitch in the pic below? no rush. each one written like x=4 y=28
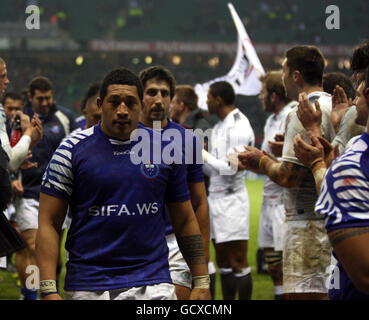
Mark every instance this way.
x=262 y=284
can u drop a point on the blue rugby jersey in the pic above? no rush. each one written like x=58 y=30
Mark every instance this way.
x=344 y=200
x=117 y=235
x=191 y=150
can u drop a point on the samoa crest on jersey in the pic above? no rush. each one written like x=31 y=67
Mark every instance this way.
x=149 y=170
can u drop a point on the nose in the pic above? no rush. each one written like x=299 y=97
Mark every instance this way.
x=122 y=109
x=44 y=102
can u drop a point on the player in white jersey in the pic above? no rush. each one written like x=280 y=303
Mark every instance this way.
x=272 y=224
x=32 y=131
x=228 y=197
x=306 y=253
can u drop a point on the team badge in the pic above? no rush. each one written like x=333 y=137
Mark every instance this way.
x=55 y=129
x=149 y=170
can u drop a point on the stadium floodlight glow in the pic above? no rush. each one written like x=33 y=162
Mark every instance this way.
x=79 y=60
x=347 y=64
x=176 y=60
x=213 y=62
x=148 y=60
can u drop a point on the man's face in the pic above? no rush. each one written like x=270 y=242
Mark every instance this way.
x=265 y=99
x=289 y=85
x=92 y=112
x=4 y=81
x=42 y=101
x=212 y=103
x=156 y=100
x=120 y=111
x=11 y=106
x=361 y=105
x=175 y=109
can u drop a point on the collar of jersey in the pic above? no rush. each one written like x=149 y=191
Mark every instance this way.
x=111 y=140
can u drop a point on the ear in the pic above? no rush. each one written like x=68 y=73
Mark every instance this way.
x=274 y=98
x=297 y=77
x=29 y=96
x=219 y=100
x=99 y=102
x=182 y=105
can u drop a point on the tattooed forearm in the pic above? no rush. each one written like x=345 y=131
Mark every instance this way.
x=192 y=249
x=286 y=174
x=339 y=235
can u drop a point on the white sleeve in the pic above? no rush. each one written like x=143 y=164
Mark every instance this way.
x=214 y=166
x=17 y=154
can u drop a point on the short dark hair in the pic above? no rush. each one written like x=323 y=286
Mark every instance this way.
x=121 y=76
x=360 y=57
x=224 y=90
x=91 y=91
x=40 y=83
x=330 y=80
x=309 y=61
x=159 y=73
x=273 y=83
x=187 y=95
x=11 y=95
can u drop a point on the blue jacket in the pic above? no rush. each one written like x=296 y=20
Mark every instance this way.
x=56 y=126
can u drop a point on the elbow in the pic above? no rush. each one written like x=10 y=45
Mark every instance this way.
x=286 y=182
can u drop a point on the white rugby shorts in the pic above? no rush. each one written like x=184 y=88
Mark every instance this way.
x=161 y=291
x=229 y=216
x=26 y=213
x=179 y=271
x=306 y=257
x=272 y=225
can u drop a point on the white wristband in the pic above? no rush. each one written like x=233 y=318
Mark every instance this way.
x=201 y=282
x=47 y=286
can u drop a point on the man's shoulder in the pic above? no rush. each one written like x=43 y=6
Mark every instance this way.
x=64 y=110
x=77 y=138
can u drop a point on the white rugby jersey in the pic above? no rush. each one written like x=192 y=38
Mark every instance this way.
x=233 y=132
x=348 y=128
x=18 y=153
x=275 y=124
x=299 y=201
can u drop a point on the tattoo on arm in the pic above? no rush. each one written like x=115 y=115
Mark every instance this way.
x=192 y=249
x=286 y=174
x=339 y=235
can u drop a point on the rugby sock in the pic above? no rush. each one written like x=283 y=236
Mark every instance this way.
x=29 y=294
x=229 y=283
x=212 y=274
x=278 y=293
x=244 y=284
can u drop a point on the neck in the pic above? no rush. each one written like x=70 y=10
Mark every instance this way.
x=224 y=111
x=279 y=107
x=309 y=89
x=150 y=123
x=183 y=116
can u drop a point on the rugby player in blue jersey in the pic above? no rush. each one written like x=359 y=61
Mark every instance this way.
x=159 y=89
x=116 y=242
